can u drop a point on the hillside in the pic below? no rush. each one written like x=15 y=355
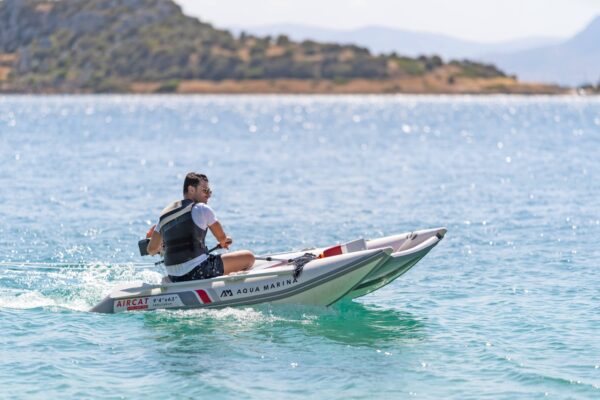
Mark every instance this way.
x=573 y=62
x=150 y=45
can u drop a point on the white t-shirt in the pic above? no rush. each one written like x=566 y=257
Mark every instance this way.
x=203 y=216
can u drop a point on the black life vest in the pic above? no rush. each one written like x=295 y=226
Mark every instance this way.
x=183 y=240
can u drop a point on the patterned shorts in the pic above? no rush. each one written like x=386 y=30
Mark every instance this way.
x=210 y=268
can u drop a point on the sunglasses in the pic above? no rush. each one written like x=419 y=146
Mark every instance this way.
x=206 y=190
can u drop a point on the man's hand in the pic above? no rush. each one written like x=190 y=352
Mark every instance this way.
x=226 y=243
x=222 y=238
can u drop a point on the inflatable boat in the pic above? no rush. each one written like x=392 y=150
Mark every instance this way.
x=317 y=276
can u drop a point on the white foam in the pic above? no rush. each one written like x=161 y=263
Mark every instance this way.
x=26 y=300
x=87 y=283
x=243 y=316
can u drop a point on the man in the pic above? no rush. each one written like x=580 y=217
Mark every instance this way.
x=180 y=233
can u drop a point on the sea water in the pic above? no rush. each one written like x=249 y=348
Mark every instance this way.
x=506 y=306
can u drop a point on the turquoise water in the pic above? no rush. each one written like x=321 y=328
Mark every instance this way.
x=507 y=306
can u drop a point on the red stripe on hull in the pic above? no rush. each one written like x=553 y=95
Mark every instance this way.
x=333 y=251
x=204 y=298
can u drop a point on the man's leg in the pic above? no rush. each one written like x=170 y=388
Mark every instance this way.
x=237 y=261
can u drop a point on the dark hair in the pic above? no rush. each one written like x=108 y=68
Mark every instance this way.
x=193 y=179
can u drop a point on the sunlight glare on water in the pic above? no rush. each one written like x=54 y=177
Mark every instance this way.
x=505 y=307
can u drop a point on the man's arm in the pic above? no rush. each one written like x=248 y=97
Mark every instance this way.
x=155 y=244
x=217 y=231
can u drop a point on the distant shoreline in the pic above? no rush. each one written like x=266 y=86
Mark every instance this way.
x=430 y=84
x=411 y=85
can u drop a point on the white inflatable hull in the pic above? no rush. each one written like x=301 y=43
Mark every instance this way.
x=364 y=266
x=322 y=282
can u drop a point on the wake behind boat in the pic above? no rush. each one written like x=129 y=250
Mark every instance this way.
x=324 y=276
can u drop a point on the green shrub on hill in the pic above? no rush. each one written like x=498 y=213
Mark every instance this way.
x=471 y=69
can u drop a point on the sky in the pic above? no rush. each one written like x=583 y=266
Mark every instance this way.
x=477 y=20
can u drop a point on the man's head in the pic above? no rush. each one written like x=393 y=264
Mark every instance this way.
x=195 y=187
